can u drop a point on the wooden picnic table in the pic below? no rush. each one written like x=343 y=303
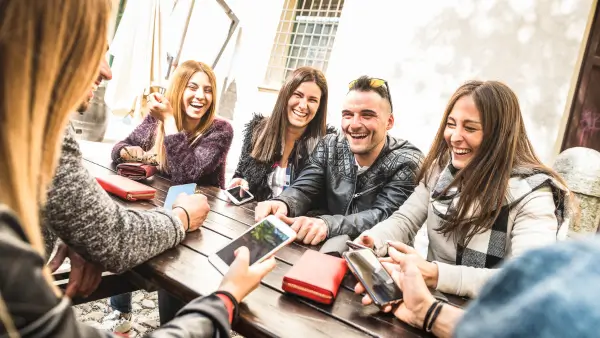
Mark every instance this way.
x=186 y=273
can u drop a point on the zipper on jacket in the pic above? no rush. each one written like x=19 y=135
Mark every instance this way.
x=367 y=191
x=291 y=173
x=354 y=208
x=352 y=198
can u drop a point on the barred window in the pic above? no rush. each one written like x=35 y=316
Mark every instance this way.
x=305 y=37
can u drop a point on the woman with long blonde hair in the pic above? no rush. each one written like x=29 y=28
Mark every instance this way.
x=181 y=134
x=46 y=71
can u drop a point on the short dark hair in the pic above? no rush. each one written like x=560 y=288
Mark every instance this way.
x=363 y=84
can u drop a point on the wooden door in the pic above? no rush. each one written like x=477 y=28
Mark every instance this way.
x=583 y=127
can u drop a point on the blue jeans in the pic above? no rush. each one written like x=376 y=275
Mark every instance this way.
x=121 y=302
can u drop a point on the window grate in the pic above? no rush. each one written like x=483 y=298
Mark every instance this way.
x=305 y=37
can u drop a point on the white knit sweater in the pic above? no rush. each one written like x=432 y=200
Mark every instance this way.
x=532 y=223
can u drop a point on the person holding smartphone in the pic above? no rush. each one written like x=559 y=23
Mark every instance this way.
x=276 y=148
x=546 y=292
x=182 y=136
x=483 y=194
x=356 y=178
x=35 y=118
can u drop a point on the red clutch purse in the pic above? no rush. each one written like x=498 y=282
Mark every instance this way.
x=136 y=171
x=316 y=276
x=125 y=188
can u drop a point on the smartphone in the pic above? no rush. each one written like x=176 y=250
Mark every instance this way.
x=356 y=246
x=174 y=191
x=263 y=239
x=372 y=275
x=238 y=195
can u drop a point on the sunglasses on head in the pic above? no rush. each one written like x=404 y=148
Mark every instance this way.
x=376 y=83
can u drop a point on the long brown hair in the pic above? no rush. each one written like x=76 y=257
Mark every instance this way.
x=174 y=94
x=505 y=145
x=268 y=138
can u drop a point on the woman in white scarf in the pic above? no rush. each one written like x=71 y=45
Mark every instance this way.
x=483 y=194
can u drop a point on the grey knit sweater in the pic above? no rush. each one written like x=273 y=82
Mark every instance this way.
x=80 y=213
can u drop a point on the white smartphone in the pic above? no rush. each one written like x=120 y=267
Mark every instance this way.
x=238 y=195
x=262 y=240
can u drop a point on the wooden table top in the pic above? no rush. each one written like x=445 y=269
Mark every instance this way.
x=186 y=272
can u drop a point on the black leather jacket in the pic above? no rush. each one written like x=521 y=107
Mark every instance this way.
x=36 y=311
x=257 y=173
x=353 y=203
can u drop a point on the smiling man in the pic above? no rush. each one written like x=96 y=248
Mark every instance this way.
x=358 y=178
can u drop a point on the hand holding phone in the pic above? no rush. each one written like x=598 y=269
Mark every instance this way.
x=416 y=296
x=371 y=273
x=174 y=191
x=356 y=246
x=239 y=195
x=262 y=240
x=242 y=278
x=197 y=208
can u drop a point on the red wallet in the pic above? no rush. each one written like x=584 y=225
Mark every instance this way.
x=136 y=171
x=126 y=188
x=316 y=276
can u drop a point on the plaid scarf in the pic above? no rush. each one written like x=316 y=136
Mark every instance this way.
x=487 y=250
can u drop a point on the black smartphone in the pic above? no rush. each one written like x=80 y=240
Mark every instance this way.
x=356 y=246
x=372 y=275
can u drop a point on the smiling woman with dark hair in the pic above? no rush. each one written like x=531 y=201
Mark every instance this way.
x=276 y=148
x=483 y=194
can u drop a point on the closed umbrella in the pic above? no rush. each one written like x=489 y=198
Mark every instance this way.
x=140 y=49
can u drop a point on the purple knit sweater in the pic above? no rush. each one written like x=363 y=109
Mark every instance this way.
x=203 y=163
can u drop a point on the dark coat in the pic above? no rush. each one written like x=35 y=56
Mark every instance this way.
x=257 y=173
x=354 y=203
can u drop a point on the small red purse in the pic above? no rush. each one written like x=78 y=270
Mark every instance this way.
x=136 y=171
x=125 y=188
x=316 y=276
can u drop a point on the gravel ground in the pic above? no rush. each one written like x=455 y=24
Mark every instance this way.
x=145 y=313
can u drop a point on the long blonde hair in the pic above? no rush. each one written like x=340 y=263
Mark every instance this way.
x=174 y=94
x=51 y=51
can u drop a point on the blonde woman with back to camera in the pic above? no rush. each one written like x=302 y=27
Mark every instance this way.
x=45 y=72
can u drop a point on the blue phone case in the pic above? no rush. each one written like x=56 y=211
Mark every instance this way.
x=174 y=191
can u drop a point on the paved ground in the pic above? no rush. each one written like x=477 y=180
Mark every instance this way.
x=145 y=314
